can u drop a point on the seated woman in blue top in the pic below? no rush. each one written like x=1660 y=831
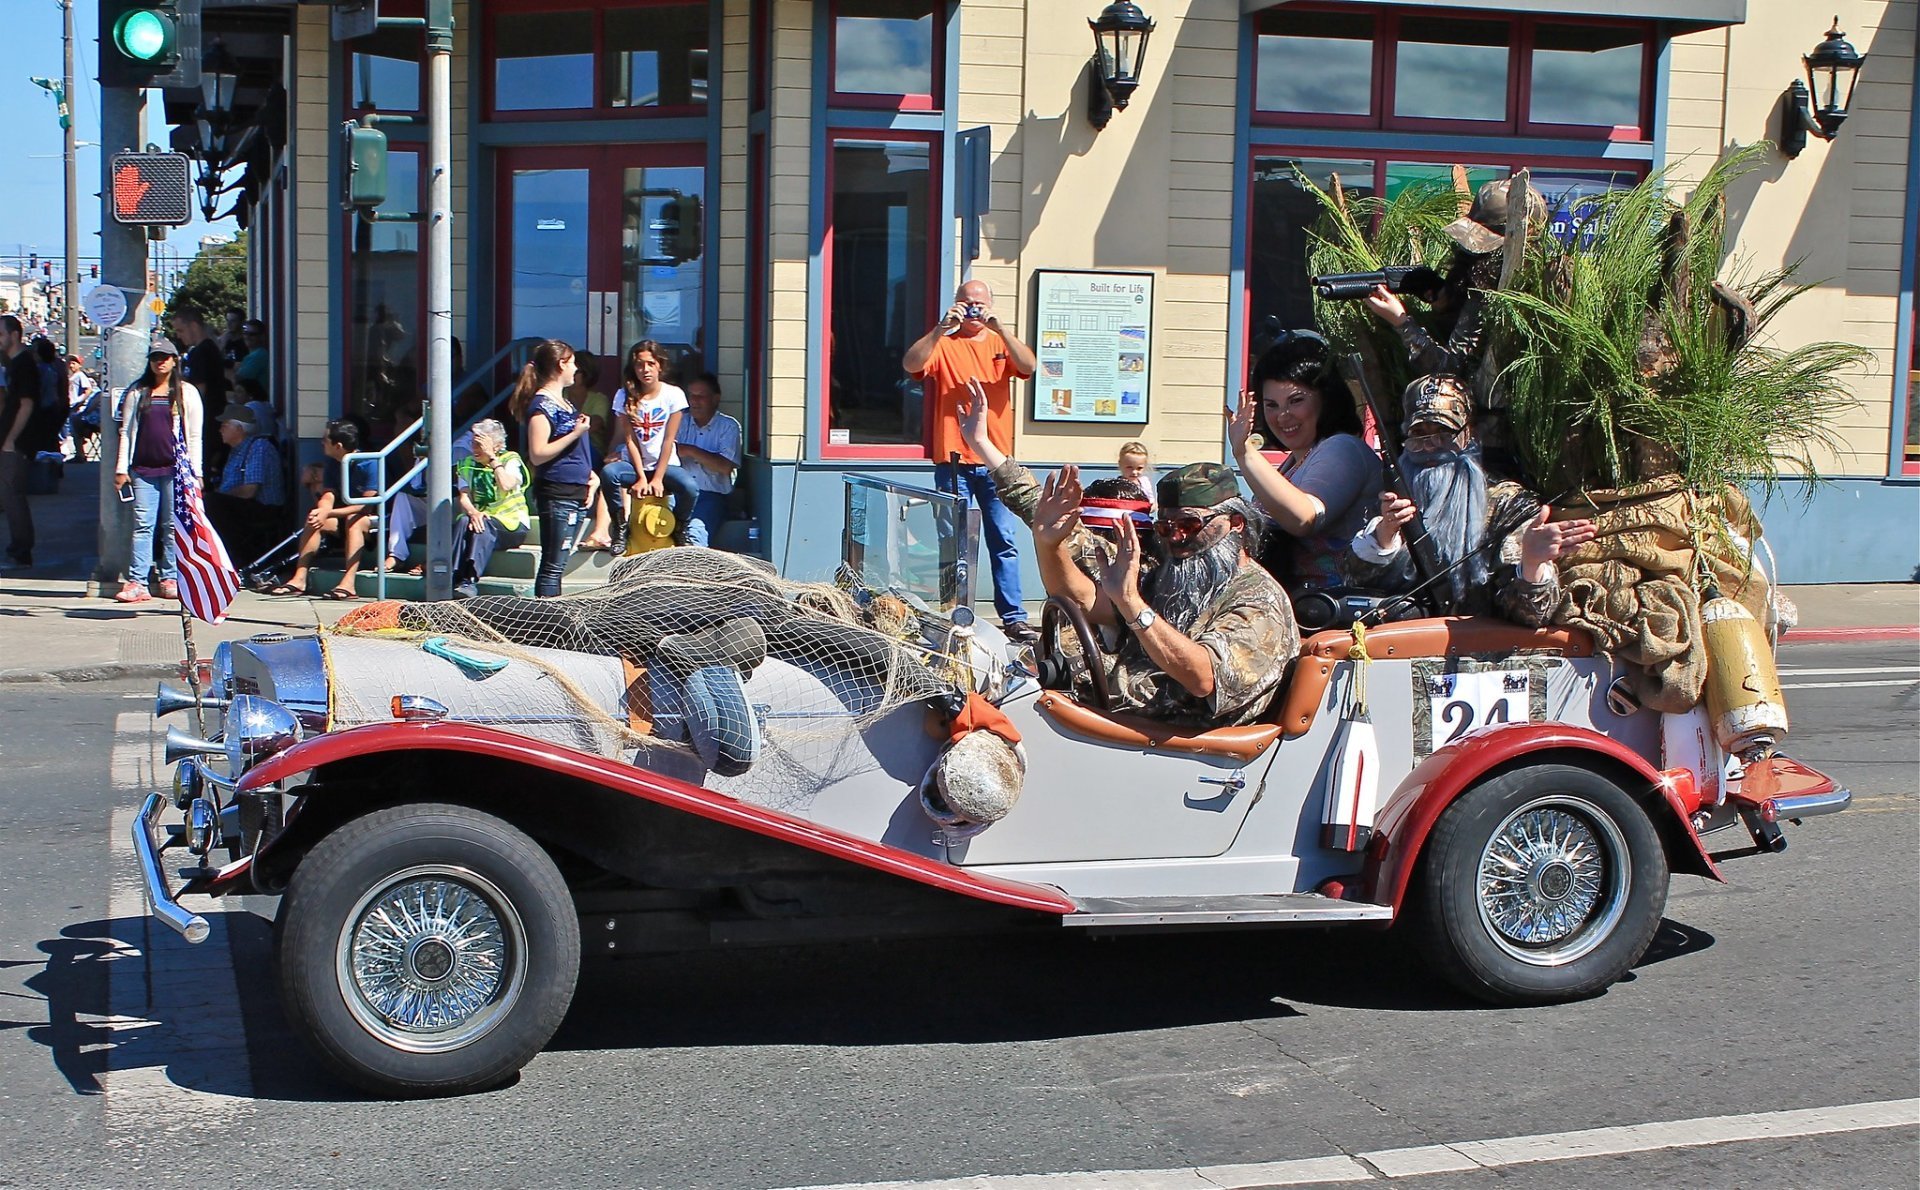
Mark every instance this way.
x=1329 y=483
x=561 y=454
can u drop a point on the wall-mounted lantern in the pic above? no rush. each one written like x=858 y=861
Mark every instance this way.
x=1120 y=44
x=1833 y=65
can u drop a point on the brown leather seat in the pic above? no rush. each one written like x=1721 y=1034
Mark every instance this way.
x=1443 y=636
x=1137 y=731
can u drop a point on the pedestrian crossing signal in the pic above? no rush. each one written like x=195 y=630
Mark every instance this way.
x=152 y=189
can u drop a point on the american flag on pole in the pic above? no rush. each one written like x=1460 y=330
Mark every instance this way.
x=207 y=579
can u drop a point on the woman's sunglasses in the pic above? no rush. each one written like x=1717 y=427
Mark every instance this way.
x=1185 y=525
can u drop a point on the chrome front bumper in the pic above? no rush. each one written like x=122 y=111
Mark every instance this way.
x=148 y=840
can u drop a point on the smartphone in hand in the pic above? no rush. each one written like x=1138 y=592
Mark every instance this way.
x=125 y=492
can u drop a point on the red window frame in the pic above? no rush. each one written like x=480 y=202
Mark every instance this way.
x=824 y=345
x=929 y=102
x=1520 y=47
x=599 y=109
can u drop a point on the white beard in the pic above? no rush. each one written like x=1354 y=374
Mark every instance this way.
x=1184 y=588
x=1450 y=486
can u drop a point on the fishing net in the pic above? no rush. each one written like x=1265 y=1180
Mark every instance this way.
x=707 y=663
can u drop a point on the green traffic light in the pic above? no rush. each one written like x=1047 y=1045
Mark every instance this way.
x=144 y=35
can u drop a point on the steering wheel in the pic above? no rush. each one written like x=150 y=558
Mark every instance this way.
x=1089 y=644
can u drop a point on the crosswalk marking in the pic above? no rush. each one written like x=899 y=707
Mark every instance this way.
x=1459 y=1157
x=173 y=1008
x=1791 y=672
x=1848 y=685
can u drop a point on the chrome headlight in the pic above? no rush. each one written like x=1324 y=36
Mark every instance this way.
x=256 y=729
x=220 y=673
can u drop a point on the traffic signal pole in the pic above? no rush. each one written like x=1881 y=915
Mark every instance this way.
x=439 y=572
x=73 y=186
x=123 y=263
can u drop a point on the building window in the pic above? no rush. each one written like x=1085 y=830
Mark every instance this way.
x=1447 y=69
x=1587 y=75
x=542 y=61
x=1280 y=240
x=881 y=257
x=1330 y=66
x=385 y=270
x=657 y=57
x=630 y=58
x=1319 y=63
x=885 y=53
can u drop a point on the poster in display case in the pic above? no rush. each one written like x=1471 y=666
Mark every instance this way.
x=1095 y=346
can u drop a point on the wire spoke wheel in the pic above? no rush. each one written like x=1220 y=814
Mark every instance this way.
x=1541 y=884
x=432 y=959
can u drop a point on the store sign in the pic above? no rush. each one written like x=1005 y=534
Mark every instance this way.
x=1095 y=345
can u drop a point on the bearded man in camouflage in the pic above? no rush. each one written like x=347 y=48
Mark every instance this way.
x=1206 y=638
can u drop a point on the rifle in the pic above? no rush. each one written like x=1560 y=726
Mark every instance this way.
x=1416 y=279
x=1427 y=567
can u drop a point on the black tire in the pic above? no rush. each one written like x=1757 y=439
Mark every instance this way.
x=516 y=964
x=1592 y=901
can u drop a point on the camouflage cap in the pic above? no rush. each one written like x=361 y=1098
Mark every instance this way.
x=1441 y=400
x=1198 y=485
x=1482 y=230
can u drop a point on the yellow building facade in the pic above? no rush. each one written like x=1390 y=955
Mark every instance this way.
x=787 y=192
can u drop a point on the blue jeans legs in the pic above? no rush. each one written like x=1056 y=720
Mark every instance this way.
x=1001 y=529
x=152 y=528
x=559 y=523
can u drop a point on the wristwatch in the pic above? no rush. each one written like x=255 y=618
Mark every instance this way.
x=1143 y=621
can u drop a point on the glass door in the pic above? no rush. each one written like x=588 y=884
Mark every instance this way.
x=603 y=247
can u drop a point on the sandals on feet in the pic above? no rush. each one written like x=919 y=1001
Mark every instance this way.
x=284 y=589
x=340 y=594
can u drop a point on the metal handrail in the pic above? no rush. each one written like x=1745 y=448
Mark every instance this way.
x=518 y=350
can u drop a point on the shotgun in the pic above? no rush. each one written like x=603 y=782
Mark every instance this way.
x=1427 y=567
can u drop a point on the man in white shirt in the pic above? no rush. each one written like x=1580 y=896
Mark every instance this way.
x=709 y=448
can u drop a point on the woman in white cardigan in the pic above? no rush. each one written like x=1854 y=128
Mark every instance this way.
x=159 y=416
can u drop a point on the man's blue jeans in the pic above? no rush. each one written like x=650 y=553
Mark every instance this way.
x=1002 y=530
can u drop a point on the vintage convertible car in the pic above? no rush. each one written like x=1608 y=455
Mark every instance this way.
x=449 y=818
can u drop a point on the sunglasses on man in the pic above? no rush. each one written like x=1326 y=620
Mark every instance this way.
x=1186 y=524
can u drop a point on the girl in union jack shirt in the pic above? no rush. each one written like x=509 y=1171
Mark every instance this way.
x=650 y=410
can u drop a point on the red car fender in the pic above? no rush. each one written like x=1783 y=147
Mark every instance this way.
x=653 y=787
x=1403 y=823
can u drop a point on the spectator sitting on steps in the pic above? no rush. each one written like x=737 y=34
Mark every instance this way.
x=335 y=511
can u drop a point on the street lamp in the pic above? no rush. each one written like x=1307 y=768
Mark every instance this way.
x=1831 y=63
x=1120 y=36
x=219 y=78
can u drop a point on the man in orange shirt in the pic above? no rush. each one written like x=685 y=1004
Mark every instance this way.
x=970 y=344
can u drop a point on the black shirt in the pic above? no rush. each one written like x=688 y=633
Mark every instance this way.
x=23 y=385
x=207 y=369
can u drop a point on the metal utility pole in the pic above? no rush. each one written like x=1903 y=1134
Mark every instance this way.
x=73 y=182
x=439 y=575
x=123 y=263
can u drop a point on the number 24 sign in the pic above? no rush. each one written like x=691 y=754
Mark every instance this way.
x=1457 y=703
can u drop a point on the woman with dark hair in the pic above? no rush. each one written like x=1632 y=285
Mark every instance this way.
x=651 y=410
x=561 y=453
x=1330 y=482
x=159 y=418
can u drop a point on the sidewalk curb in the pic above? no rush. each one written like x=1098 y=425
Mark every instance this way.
x=106 y=671
x=1815 y=636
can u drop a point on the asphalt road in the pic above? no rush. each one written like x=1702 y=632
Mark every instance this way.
x=130 y=1059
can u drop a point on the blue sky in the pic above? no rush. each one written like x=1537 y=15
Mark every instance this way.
x=31 y=201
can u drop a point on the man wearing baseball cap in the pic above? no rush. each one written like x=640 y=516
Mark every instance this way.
x=253 y=367
x=1461 y=508
x=246 y=508
x=1203 y=639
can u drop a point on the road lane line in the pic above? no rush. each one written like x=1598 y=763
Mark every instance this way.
x=1847 y=685
x=173 y=1007
x=1796 y=672
x=1461 y=1156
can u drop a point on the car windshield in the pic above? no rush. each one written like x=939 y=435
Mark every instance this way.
x=913 y=542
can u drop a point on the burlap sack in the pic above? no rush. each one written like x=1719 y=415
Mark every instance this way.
x=1633 y=588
